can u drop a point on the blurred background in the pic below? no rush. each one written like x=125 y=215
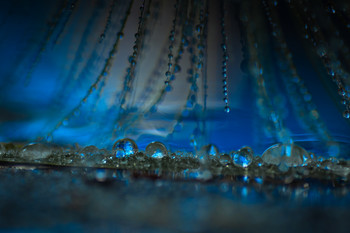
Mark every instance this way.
x=64 y=73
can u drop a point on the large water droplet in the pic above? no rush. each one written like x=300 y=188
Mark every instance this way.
x=156 y=150
x=125 y=147
x=209 y=150
x=243 y=157
x=36 y=151
x=89 y=151
x=290 y=154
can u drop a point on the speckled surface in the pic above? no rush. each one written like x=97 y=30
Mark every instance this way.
x=34 y=199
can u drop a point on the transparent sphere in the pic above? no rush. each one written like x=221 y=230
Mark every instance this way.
x=290 y=154
x=225 y=159
x=36 y=151
x=243 y=157
x=125 y=147
x=156 y=150
x=209 y=150
x=89 y=151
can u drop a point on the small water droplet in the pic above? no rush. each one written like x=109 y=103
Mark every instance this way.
x=243 y=157
x=125 y=147
x=156 y=150
x=225 y=159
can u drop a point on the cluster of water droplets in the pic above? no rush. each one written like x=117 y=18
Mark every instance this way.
x=286 y=162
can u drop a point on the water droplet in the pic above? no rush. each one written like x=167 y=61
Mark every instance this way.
x=36 y=151
x=290 y=154
x=120 y=35
x=225 y=159
x=243 y=157
x=209 y=151
x=156 y=150
x=227 y=109
x=125 y=147
x=89 y=151
x=346 y=114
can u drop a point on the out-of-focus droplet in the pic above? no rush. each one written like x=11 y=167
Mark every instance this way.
x=34 y=151
x=225 y=159
x=290 y=154
x=89 y=151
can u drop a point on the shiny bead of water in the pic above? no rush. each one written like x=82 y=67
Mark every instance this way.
x=120 y=35
x=36 y=151
x=209 y=150
x=125 y=147
x=290 y=154
x=89 y=151
x=243 y=157
x=227 y=109
x=225 y=159
x=156 y=150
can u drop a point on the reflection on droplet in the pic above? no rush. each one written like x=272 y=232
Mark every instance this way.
x=36 y=151
x=290 y=154
x=225 y=159
x=209 y=150
x=89 y=151
x=125 y=147
x=156 y=150
x=101 y=175
x=243 y=157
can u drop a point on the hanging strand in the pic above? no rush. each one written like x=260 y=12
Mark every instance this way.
x=103 y=75
x=130 y=72
x=168 y=73
x=328 y=57
x=273 y=123
x=298 y=93
x=55 y=22
x=225 y=58
x=108 y=21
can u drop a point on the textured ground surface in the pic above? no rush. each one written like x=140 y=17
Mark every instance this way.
x=36 y=199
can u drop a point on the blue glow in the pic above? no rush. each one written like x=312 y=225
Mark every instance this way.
x=242 y=159
x=67 y=58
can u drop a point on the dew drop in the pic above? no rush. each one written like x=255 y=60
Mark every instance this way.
x=89 y=151
x=290 y=154
x=36 y=151
x=225 y=159
x=243 y=157
x=125 y=147
x=209 y=150
x=156 y=150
